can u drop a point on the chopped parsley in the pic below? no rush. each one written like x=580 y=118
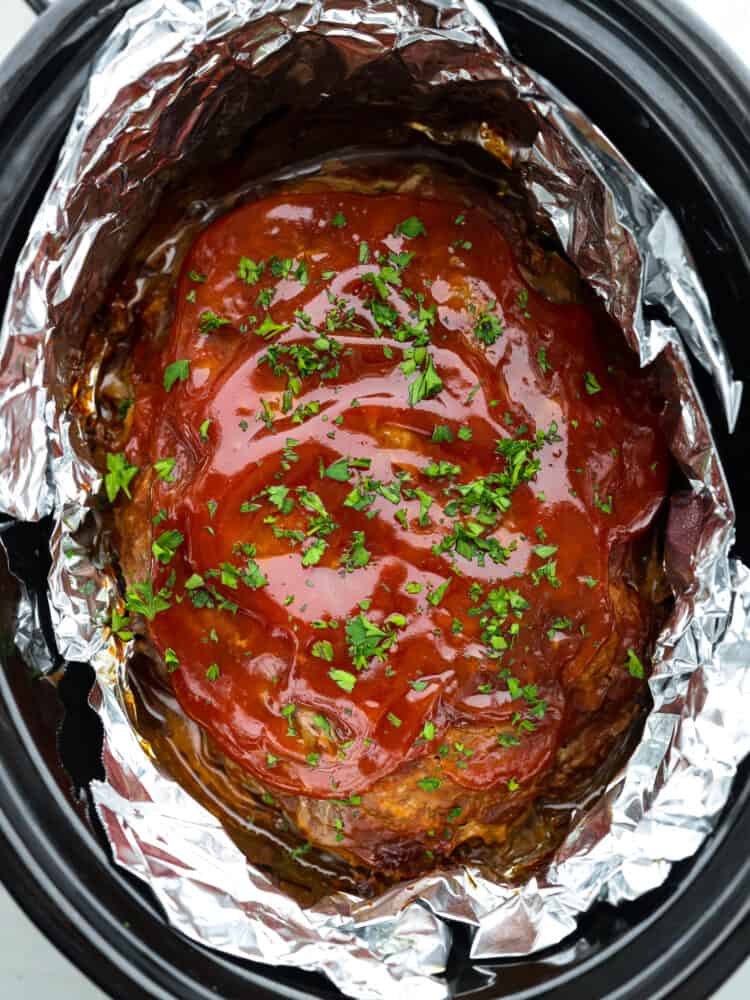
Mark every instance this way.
x=120 y=626
x=488 y=328
x=119 y=476
x=425 y=502
x=356 y=556
x=253 y=576
x=426 y=385
x=558 y=625
x=442 y=433
x=163 y=469
x=591 y=384
x=303 y=412
x=165 y=546
x=323 y=650
x=436 y=596
x=209 y=322
x=366 y=640
x=545 y=551
x=339 y=471
x=469 y=540
x=250 y=271
x=266 y=415
x=508 y=740
x=634 y=665
x=287 y=713
x=344 y=679
x=411 y=228
x=141 y=600
x=279 y=497
x=438 y=470
x=605 y=506
x=269 y=329
x=548 y=572
x=171 y=660
x=178 y=371
x=314 y=552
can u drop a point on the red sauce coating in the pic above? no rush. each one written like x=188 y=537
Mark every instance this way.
x=259 y=677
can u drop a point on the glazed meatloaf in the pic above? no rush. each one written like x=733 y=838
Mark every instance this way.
x=386 y=512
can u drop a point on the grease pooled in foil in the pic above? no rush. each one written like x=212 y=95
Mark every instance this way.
x=179 y=82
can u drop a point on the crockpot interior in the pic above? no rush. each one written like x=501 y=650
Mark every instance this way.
x=646 y=72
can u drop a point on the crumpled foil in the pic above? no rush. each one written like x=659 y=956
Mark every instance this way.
x=156 y=91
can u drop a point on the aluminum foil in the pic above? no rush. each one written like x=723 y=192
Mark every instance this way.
x=176 y=73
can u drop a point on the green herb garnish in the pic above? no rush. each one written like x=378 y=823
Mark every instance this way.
x=442 y=433
x=141 y=599
x=178 y=371
x=488 y=328
x=323 y=650
x=634 y=665
x=165 y=546
x=411 y=228
x=356 y=556
x=250 y=271
x=344 y=679
x=163 y=469
x=119 y=476
x=269 y=329
x=209 y=322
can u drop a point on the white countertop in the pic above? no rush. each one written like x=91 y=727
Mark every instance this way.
x=30 y=967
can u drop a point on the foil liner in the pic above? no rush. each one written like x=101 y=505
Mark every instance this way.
x=156 y=89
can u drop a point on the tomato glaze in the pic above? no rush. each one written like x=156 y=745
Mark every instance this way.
x=336 y=603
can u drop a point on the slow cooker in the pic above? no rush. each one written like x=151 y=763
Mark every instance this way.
x=677 y=103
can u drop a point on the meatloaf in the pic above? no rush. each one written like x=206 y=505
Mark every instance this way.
x=385 y=513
